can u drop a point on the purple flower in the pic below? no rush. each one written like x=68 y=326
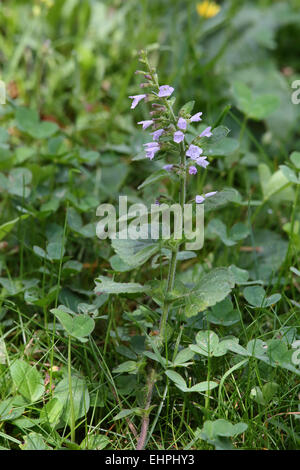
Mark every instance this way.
x=151 y=153
x=178 y=137
x=196 y=117
x=165 y=91
x=201 y=161
x=193 y=170
x=182 y=124
x=151 y=148
x=199 y=199
x=210 y=194
x=194 y=151
x=206 y=132
x=146 y=124
x=168 y=167
x=156 y=134
x=136 y=99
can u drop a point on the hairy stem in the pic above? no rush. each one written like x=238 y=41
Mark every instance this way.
x=72 y=413
x=145 y=422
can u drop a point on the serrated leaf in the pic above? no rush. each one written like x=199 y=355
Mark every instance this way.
x=106 y=285
x=135 y=252
x=211 y=289
x=187 y=108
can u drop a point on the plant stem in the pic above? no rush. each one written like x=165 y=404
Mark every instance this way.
x=72 y=414
x=170 y=280
x=145 y=421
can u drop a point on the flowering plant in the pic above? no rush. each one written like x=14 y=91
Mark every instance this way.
x=169 y=134
x=183 y=150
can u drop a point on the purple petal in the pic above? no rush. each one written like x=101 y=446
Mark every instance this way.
x=210 y=194
x=194 y=151
x=136 y=99
x=178 y=137
x=182 y=124
x=199 y=199
x=146 y=124
x=206 y=132
x=165 y=91
x=156 y=134
x=196 y=117
x=151 y=149
x=168 y=167
x=193 y=170
x=201 y=161
x=150 y=145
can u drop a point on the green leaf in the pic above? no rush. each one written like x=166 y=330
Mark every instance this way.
x=177 y=379
x=187 y=108
x=55 y=250
x=124 y=413
x=119 y=265
x=271 y=183
x=11 y=408
x=27 y=380
x=94 y=442
x=203 y=386
x=183 y=356
x=217 y=227
x=80 y=394
x=135 y=252
x=78 y=326
x=295 y=159
x=223 y=313
x=51 y=412
x=238 y=232
x=256 y=296
x=207 y=343
x=106 y=285
x=205 y=294
x=127 y=366
x=289 y=174
x=254 y=107
x=240 y=275
x=34 y=441
x=19 y=180
x=29 y=122
x=154 y=177
x=224 y=428
x=8 y=226
x=222 y=148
